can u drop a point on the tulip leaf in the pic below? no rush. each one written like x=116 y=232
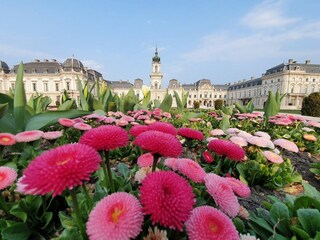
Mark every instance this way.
x=19 y=103
x=46 y=119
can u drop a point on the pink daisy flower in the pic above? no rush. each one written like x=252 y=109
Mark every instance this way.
x=167 y=115
x=217 y=132
x=59 y=168
x=260 y=142
x=244 y=134
x=122 y=123
x=127 y=118
x=313 y=124
x=190 y=169
x=7 y=139
x=209 y=223
x=143 y=117
x=272 y=157
x=238 y=187
x=239 y=141
x=148 y=122
x=52 y=135
x=286 y=144
x=159 y=142
x=171 y=163
x=163 y=127
x=207 y=156
x=227 y=148
x=190 y=133
x=117 y=216
x=66 y=122
x=232 y=131
x=105 y=138
x=145 y=160
x=137 y=129
x=222 y=193
x=168 y=198
x=82 y=126
x=29 y=136
x=7 y=176
x=109 y=120
x=262 y=134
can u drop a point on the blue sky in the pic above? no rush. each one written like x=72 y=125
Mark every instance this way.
x=224 y=41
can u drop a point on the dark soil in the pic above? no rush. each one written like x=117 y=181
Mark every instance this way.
x=301 y=162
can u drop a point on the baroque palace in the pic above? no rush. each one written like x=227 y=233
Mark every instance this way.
x=51 y=78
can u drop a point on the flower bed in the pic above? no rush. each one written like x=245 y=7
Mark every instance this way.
x=154 y=175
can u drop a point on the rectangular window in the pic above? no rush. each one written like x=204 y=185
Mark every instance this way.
x=34 y=86
x=210 y=95
x=195 y=96
x=45 y=87
x=225 y=96
x=68 y=86
x=220 y=96
x=215 y=96
x=57 y=87
x=189 y=96
x=200 y=95
x=12 y=86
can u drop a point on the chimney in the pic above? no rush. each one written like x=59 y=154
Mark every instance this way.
x=290 y=60
x=307 y=61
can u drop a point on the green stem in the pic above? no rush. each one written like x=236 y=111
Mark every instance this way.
x=89 y=200
x=219 y=166
x=106 y=153
x=156 y=157
x=78 y=213
x=104 y=169
x=3 y=204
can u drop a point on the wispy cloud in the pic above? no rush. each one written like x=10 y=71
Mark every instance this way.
x=91 y=64
x=14 y=51
x=268 y=14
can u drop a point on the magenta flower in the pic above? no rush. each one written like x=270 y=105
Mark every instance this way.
x=238 y=187
x=105 y=138
x=117 y=216
x=190 y=133
x=207 y=156
x=29 y=136
x=145 y=160
x=7 y=139
x=7 y=176
x=190 y=169
x=59 y=168
x=163 y=127
x=161 y=143
x=222 y=193
x=168 y=198
x=227 y=148
x=207 y=223
x=137 y=129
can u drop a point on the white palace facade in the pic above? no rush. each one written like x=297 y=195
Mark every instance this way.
x=51 y=78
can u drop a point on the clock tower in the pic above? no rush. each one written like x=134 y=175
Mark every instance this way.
x=156 y=74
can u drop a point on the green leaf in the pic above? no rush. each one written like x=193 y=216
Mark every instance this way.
x=178 y=101
x=46 y=218
x=305 y=202
x=3 y=109
x=311 y=191
x=83 y=102
x=279 y=214
x=20 y=101
x=166 y=103
x=271 y=106
x=124 y=170
x=309 y=219
x=46 y=119
x=17 y=211
x=240 y=107
x=66 y=221
x=300 y=232
x=67 y=105
x=225 y=124
x=238 y=223
x=19 y=231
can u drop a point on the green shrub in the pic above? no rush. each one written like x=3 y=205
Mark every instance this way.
x=196 y=105
x=311 y=105
x=218 y=104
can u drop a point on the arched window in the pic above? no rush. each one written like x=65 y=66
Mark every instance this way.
x=156 y=85
x=156 y=68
